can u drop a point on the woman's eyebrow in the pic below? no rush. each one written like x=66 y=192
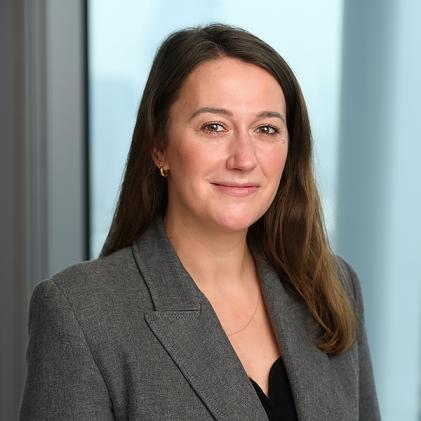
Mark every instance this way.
x=224 y=111
x=271 y=114
x=211 y=110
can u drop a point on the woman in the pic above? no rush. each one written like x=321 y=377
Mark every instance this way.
x=216 y=295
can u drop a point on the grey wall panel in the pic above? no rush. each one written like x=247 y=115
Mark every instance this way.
x=65 y=133
x=379 y=189
x=42 y=164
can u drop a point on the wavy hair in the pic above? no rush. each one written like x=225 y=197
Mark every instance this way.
x=291 y=234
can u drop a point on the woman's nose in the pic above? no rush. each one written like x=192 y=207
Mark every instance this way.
x=242 y=154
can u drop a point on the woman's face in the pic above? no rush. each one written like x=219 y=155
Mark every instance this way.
x=227 y=145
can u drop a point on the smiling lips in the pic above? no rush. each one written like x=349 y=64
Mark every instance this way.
x=236 y=189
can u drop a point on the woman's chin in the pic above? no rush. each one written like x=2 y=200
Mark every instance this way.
x=235 y=223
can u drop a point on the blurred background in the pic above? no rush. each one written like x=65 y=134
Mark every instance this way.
x=71 y=77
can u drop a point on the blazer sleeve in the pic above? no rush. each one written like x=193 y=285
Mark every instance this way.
x=368 y=404
x=63 y=382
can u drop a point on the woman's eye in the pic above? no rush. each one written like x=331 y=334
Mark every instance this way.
x=213 y=127
x=267 y=129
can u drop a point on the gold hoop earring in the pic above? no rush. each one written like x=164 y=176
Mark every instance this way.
x=163 y=172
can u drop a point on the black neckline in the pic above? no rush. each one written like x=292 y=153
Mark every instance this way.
x=279 y=360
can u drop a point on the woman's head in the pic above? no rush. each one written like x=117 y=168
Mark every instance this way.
x=144 y=191
x=290 y=234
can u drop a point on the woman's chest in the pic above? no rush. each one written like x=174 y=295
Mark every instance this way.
x=257 y=347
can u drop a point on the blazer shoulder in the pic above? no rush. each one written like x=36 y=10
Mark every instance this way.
x=103 y=282
x=351 y=284
x=101 y=266
x=99 y=272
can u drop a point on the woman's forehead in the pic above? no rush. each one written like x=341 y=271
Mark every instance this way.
x=231 y=84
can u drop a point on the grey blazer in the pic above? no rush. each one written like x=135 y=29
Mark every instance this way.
x=131 y=337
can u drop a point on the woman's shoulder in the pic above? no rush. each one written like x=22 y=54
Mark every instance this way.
x=98 y=282
x=350 y=282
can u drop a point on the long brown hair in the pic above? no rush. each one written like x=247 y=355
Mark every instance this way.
x=291 y=234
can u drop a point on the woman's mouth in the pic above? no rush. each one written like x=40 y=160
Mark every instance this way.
x=236 y=189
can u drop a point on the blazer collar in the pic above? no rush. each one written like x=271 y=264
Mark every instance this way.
x=185 y=323
x=170 y=286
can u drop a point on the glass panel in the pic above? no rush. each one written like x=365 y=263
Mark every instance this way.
x=122 y=44
x=123 y=38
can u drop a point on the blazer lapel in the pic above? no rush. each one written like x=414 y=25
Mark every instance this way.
x=186 y=325
x=317 y=392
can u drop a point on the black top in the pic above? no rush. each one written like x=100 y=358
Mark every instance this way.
x=280 y=403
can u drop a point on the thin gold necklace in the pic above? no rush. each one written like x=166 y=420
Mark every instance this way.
x=252 y=316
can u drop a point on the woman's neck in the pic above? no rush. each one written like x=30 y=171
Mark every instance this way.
x=214 y=258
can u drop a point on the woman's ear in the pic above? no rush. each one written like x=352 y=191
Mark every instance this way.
x=159 y=159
